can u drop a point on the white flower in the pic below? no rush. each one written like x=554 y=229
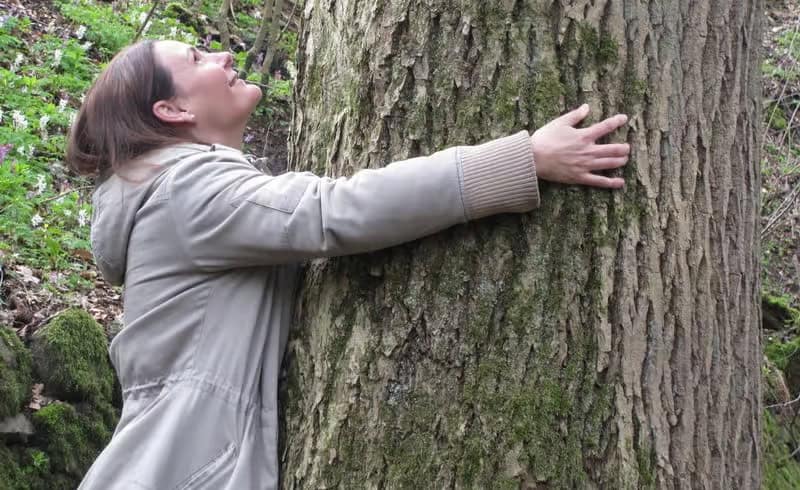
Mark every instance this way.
x=43 y=125
x=36 y=220
x=20 y=122
x=85 y=46
x=57 y=57
x=67 y=213
x=257 y=15
x=62 y=104
x=41 y=184
x=80 y=32
x=83 y=218
x=17 y=62
x=173 y=32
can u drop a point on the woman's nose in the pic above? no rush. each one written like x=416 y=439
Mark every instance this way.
x=226 y=59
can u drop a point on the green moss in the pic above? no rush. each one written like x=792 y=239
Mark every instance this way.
x=505 y=101
x=645 y=461
x=600 y=47
x=72 y=439
x=778 y=312
x=780 y=472
x=70 y=355
x=607 y=50
x=634 y=90
x=781 y=353
x=547 y=92
x=15 y=373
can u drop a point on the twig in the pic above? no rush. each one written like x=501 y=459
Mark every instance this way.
x=288 y=21
x=785 y=206
x=44 y=320
x=783 y=91
x=146 y=20
x=69 y=191
x=784 y=404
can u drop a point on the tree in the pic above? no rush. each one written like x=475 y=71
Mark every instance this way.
x=606 y=340
x=268 y=32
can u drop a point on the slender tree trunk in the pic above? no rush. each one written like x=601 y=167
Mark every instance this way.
x=263 y=30
x=222 y=25
x=606 y=340
x=272 y=44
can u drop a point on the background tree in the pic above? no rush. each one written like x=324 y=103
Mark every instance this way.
x=222 y=24
x=269 y=33
x=607 y=340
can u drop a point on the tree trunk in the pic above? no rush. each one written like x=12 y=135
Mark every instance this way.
x=267 y=13
x=610 y=339
x=222 y=25
x=272 y=44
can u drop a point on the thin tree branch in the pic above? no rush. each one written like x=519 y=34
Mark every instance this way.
x=785 y=206
x=146 y=20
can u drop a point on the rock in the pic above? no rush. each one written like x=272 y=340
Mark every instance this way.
x=72 y=436
x=70 y=355
x=15 y=373
x=777 y=313
x=18 y=425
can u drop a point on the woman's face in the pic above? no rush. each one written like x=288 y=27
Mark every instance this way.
x=207 y=87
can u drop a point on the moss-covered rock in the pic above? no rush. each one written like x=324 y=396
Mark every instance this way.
x=72 y=438
x=70 y=355
x=777 y=312
x=15 y=373
x=781 y=471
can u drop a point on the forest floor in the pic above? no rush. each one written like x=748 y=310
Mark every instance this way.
x=45 y=263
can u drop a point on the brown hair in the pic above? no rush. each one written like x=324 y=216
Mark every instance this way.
x=116 y=122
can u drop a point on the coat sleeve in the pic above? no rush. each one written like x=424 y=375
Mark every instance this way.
x=228 y=214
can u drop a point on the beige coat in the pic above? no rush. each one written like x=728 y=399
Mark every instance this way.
x=208 y=249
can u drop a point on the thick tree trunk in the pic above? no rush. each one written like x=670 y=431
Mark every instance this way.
x=606 y=340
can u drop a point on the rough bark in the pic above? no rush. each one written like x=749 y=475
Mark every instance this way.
x=606 y=340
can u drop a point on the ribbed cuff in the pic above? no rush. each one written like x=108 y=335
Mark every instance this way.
x=499 y=177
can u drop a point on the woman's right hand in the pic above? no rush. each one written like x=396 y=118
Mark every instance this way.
x=569 y=155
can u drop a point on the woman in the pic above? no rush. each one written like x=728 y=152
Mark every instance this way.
x=207 y=248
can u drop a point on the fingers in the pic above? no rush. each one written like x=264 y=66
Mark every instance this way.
x=611 y=150
x=575 y=116
x=607 y=126
x=608 y=163
x=595 y=180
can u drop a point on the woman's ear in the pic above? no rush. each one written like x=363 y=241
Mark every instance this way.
x=168 y=112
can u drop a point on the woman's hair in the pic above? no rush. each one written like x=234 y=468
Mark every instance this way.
x=116 y=122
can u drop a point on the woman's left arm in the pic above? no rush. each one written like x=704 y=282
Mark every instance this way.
x=230 y=215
